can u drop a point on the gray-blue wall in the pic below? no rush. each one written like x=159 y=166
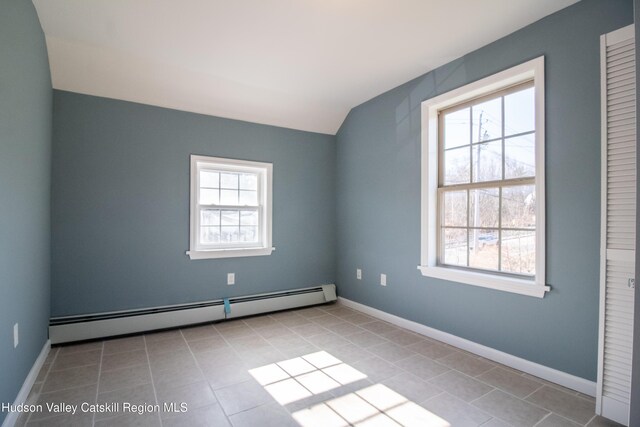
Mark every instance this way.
x=120 y=208
x=25 y=158
x=378 y=207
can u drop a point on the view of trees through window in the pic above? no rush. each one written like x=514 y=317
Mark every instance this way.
x=487 y=194
x=228 y=204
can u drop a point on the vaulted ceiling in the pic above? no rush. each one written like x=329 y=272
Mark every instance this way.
x=300 y=64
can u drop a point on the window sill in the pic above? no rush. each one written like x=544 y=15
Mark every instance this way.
x=501 y=283
x=229 y=253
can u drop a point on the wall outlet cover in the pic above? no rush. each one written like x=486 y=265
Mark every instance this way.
x=383 y=279
x=231 y=278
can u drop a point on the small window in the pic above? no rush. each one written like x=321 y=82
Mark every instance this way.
x=230 y=208
x=483 y=182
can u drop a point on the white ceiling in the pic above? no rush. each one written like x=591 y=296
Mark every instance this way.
x=300 y=64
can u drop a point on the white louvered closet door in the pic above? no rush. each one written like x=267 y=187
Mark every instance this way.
x=617 y=270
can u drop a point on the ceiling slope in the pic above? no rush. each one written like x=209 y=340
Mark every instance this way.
x=300 y=64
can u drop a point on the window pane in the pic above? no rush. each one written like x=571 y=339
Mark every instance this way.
x=229 y=180
x=209 y=197
x=230 y=234
x=209 y=235
x=249 y=198
x=229 y=197
x=487 y=161
x=248 y=181
x=209 y=179
x=487 y=120
x=455 y=246
x=519 y=112
x=519 y=156
x=248 y=218
x=210 y=217
x=519 y=207
x=456 y=166
x=231 y=218
x=248 y=234
x=457 y=128
x=484 y=207
x=483 y=249
x=519 y=252
x=455 y=208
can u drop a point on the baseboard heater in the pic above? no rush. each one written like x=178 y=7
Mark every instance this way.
x=101 y=325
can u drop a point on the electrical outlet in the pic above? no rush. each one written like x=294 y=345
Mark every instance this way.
x=358 y=274
x=231 y=278
x=383 y=279
x=16 y=336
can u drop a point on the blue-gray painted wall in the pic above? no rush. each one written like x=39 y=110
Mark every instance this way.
x=378 y=206
x=120 y=207
x=25 y=158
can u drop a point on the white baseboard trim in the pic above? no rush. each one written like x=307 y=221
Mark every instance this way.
x=23 y=395
x=555 y=376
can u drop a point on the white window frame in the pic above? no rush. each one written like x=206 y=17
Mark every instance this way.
x=531 y=70
x=264 y=172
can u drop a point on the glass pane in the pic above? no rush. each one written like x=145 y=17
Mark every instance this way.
x=210 y=217
x=455 y=246
x=519 y=112
x=455 y=208
x=487 y=120
x=248 y=234
x=483 y=249
x=519 y=207
x=230 y=234
x=457 y=128
x=487 y=161
x=519 y=252
x=230 y=218
x=519 y=156
x=249 y=198
x=229 y=180
x=248 y=181
x=229 y=197
x=209 y=235
x=209 y=197
x=456 y=166
x=248 y=218
x=209 y=179
x=484 y=207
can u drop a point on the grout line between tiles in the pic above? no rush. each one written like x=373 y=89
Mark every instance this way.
x=153 y=385
x=93 y=417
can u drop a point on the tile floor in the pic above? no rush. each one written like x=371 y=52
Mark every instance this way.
x=322 y=366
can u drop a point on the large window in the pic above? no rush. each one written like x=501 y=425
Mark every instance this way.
x=483 y=182
x=230 y=208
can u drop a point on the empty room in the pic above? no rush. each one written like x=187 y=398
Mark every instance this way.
x=318 y=213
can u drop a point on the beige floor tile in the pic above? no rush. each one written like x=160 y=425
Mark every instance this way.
x=375 y=368
x=77 y=420
x=252 y=343
x=599 y=421
x=270 y=415
x=327 y=320
x=71 y=378
x=212 y=415
x=366 y=339
x=412 y=387
x=509 y=381
x=194 y=395
x=77 y=347
x=208 y=344
x=168 y=345
x=71 y=396
x=431 y=349
x=272 y=331
x=554 y=420
x=391 y=352
x=177 y=377
x=308 y=330
x=351 y=353
x=124 y=360
x=328 y=340
x=169 y=334
x=379 y=327
x=358 y=319
x=240 y=397
x=456 y=412
x=510 y=409
x=466 y=363
x=171 y=360
x=311 y=312
x=402 y=338
x=137 y=395
x=422 y=367
x=124 y=378
x=120 y=345
x=130 y=420
x=227 y=375
x=195 y=333
x=74 y=360
x=569 y=406
x=460 y=385
x=495 y=422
